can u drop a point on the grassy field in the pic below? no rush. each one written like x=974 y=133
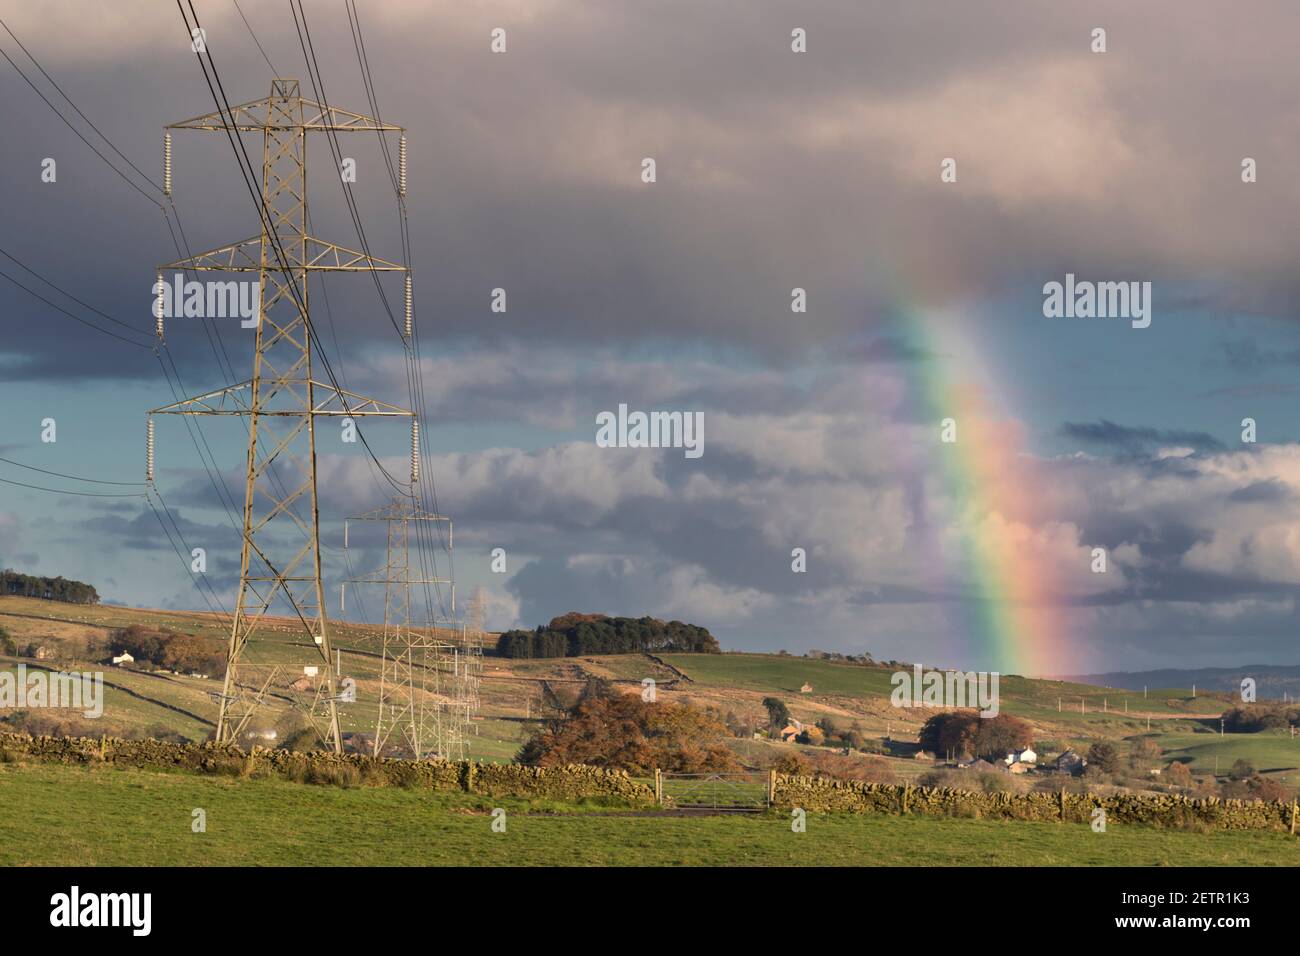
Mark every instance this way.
x=51 y=815
x=1273 y=753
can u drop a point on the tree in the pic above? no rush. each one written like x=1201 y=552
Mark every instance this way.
x=1266 y=788
x=1179 y=774
x=1144 y=753
x=778 y=715
x=950 y=732
x=813 y=736
x=623 y=732
x=829 y=728
x=1104 y=756
x=793 y=764
x=995 y=737
x=50 y=589
x=574 y=634
x=7 y=645
x=1242 y=769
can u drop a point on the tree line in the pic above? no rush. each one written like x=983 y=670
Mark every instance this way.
x=574 y=635
x=50 y=589
x=170 y=650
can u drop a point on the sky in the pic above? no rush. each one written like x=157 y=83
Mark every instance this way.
x=774 y=170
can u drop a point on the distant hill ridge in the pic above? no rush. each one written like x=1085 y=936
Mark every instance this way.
x=1271 y=680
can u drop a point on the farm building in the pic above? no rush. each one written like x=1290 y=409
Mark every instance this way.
x=123 y=658
x=1026 y=756
x=1071 y=763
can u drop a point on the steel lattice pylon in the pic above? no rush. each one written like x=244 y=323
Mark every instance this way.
x=281 y=401
x=416 y=696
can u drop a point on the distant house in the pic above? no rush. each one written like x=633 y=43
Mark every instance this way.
x=123 y=658
x=978 y=765
x=806 y=689
x=261 y=735
x=921 y=755
x=1026 y=756
x=41 y=653
x=1019 y=767
x=1071 y=763
x=791 y=730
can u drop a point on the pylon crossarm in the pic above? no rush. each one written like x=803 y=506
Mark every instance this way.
x=387 y=580
x=210 y=403
x=317 y=255
x=253 y=115
x=242 y=256
x=330 y=401
x=398 y=512
x=340 y=120
x=257 y=115
x=351 y=404
x=333 y=257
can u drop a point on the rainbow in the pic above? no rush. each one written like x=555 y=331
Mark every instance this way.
x=1004 y=610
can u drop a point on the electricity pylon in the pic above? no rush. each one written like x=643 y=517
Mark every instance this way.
x=411 y=695
x=282 y=401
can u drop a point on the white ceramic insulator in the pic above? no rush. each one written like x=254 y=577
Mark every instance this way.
x=410 y=311
x=158 y=307
x=167 y=164
x=401 y=165
x=148 y=452
x=415 y=450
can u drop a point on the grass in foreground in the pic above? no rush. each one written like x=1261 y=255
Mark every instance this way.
x=75 y=816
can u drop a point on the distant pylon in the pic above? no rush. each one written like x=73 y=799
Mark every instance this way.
x=416 y=676
x=282 y=401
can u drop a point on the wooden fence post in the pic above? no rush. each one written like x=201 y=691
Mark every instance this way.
x=101 y=757
x=907 y=792
x=1062 y=820
x=771 y=788
x=659 y=786
x=1293 y=813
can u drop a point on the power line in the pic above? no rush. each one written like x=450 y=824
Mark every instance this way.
x=213 y=333
x=76 y=318
x=250 y=177
x=56 y=474
x=80 y=494
x=91 y=146
x=75 y=107
x=69 y=295
x=274 y=71
x=415 y=379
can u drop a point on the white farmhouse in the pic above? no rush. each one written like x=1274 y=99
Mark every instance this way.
x=1026 y=756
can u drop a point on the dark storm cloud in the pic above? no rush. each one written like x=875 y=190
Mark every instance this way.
x=776 y=170
x=1125 y=438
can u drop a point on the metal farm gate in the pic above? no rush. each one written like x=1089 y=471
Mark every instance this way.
x=731 y=792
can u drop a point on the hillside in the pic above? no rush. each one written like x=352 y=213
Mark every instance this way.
x=514 y=693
